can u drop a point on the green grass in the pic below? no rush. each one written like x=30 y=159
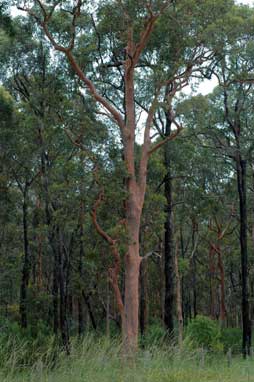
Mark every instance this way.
x=98 y=360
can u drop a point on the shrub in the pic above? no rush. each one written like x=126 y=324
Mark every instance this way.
x=23 y=347
x=232 y=339
x=204 y=332
x=154 y=335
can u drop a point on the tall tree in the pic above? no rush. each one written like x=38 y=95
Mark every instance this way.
x=136 y=23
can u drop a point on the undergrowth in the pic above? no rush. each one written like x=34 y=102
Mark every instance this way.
x=100 y=360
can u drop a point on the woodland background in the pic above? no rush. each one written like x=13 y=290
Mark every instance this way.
x=63 y=173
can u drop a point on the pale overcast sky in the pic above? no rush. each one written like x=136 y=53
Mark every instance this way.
x=207 y=86
x=14 y=10
x=249 y=2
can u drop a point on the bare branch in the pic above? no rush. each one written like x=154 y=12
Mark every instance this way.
x=98 y=41
x=114 y=271
x=99 y=229
x=171 y=137
x=149 y=26
x=42 y=6
x=76 y=142
x=149 y=254
x=195 y=247
x=116 y=115
x=53 y=9
x=76 y=14
x=90 y=85
x=144 y=37
x=147 y=143
x=32 y=14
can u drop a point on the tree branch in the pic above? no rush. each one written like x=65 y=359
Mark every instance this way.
x=114 y=271
x=75 y=66
x=171 y=137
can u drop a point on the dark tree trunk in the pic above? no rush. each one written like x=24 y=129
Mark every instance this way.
x=107 y=311
x=70 y=305
x=212 y=282
x=189 y=305
x=194 y=270
x=241 y=182
x=168 y=238
x=223 y=313
x=50 y=227
x=184 y=295
x=80 y=268
x=80 y=317
x=194 y=288
x=55 y=291
x=26 y=264
x=178 y=297
x=63 y=312
x=89 y=309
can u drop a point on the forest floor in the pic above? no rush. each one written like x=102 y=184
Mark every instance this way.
x=102 y=362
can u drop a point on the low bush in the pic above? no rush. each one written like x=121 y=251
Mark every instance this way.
x=23 y=347
x=232 y=339
x=204 y=332
x=154 y=335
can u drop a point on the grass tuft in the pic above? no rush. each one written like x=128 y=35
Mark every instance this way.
x=99 y=360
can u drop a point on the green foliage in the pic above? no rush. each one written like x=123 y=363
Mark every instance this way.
x=6 y=105
x=231 y=338
x=98 y=359
x=19 y=347
x=44 y=99
x=155 y=335
x=204 y=332
x=5 y=19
